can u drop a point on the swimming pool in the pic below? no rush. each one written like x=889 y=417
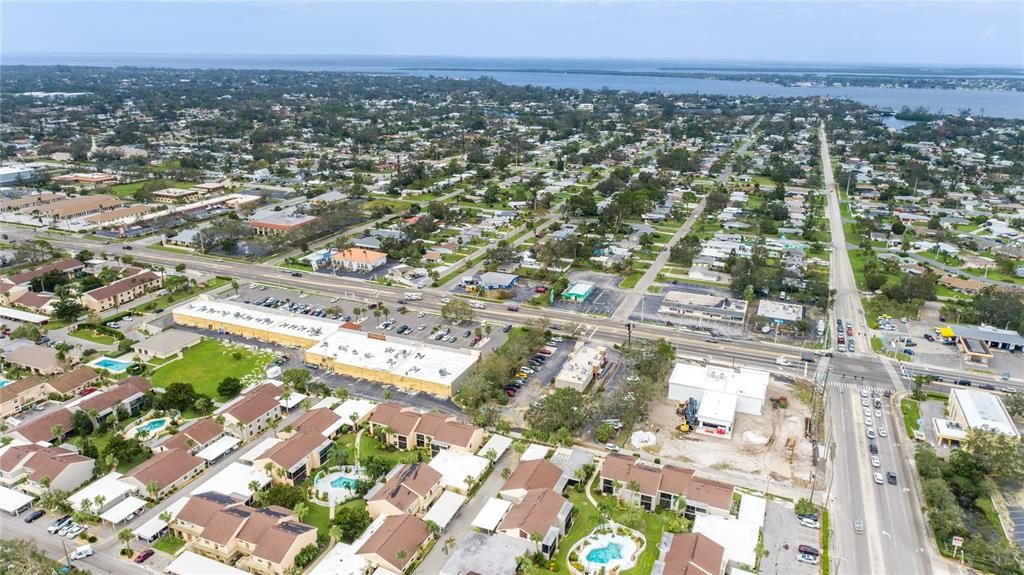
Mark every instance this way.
x=602 y=555
x=148 y=430
x=343 y=482
x=111 y=364
x=4 y=382
x=338 y=486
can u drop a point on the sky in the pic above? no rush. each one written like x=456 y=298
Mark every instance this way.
x=965 y=33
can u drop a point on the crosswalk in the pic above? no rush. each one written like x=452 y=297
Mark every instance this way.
x=853 y=385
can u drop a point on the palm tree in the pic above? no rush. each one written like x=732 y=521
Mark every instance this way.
x=125 y=536
x=153 y=488
x=301 y=510
x=45 y=482
x=219 y=420
x=100 y=500
x=334 y=532
x=505 y=473
x=449 y=544
x=433 y=527
x=111 y=461
x=166 y=517
x=401 y=555
x=58 y=431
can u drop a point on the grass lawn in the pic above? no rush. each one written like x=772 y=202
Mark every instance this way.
x=319 y=516
x=169 y=544
x=179 y=296
x=911 y=414
x=94 y=336
x=206 y=364
x=631 y=280
x=172 y=250
x=125 y=190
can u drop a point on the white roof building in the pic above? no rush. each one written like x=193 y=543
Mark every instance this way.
x=780 y=312
x=396 y=356
x=218 y=448
x=491 y=514
x=980 y=410
x=739 y=538
x=123 y=510
x=717 y=412
x=455 y=467
x=444 y=509
x=534 y=451
x=110 y=486
x=748 y=385
x=258 y=450
x=234 y=480
x=151 y=529
x=189 y=563
x=499 y=443
x=583 y=364
x=14 y=502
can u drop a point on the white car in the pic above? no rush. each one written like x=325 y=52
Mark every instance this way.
x=868 y=421
x=783 y=362
x=74 y=532
x=871 y=433
x=807 y=558
x=811 y=523
x=879 y=479
x=875 y=462
x=878 y=413
x=867 y=412
x=883 y=432
x=863 y=392
x=865 y=402
x=421 y=314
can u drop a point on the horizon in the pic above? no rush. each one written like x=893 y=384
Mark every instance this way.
x=943 y=34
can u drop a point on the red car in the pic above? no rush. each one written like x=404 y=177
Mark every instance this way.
x=141 y=557
x=540 y=289
x=849 y=330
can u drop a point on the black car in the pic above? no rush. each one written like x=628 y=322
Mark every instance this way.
x=296 y=275
x=891 y=477
x=873 y=448
x=34 y=515
x=808 y=550
x=467 y=333
x=507 y=328
x=964 y=382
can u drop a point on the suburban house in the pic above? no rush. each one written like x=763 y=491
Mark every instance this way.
x=263 y=541
x=41 y=468
x=38 y=359
x=249 y=415
x=40 y=429
x=21 y=394
x=543 y=516
x=74 y=381
x=195 y=437
x=407 y=428
x=689 y=554
x=166 y=471
x=530 y=475
x=358 y=260
x=396 y=544
x=650 y=486
x=122 y=291
x=409 y=488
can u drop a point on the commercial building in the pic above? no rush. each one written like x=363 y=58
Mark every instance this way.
x=578 y=291
x=584 y=364
x=726 y=391
x=178 y=195
x=85 y=178
x=980 y=410
x=409 y=364
x=704 y=307
x=277 y=223
x=16 y=174
x=496 y=280
x=993 y=337
x=264 y=541
x=780 y=312
x=122 y=291
x=254 y=322
x=77 y=207
x=358 y=260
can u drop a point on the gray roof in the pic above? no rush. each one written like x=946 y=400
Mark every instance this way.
x=185 y=236
x=490 y=554
x=367 y=242
x=989 y=333
x=497 y=279
x=168 y=342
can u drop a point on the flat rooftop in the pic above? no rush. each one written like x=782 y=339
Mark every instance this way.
x=398 y=356
x=742 y=382
x=983 y=410
x=256 y=317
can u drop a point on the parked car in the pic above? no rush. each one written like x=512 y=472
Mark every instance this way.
x=141 y=557
x=810 y=523
x=34 y=515
x=59 y=524
x=807 y=558
x=808 y=550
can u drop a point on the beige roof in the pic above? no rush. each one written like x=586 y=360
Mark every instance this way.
x=78 y=205
x=16 y=388
x=255 y=403
x=74 y=379
x=535 y=514
x=36 y=357
x=533 y=474
x=409 y=483
x=694 y=554
x=166 y=467
x=397 y=533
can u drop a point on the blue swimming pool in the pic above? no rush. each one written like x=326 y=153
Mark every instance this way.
x=602 y=555
x=4 y=382
x=111 y=364
x=153 y=425
x=342 y=482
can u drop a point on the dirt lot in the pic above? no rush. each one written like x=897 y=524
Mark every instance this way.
x=757 y=447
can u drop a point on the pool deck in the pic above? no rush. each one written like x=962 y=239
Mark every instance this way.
x=601 y=540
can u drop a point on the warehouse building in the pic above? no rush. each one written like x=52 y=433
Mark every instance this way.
x=254 y=322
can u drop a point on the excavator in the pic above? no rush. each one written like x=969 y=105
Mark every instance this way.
x=687 y=410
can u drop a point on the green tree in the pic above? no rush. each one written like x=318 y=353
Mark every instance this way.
x=297 y=378
x=229 y=387
x=457 y=311
x=352 y=520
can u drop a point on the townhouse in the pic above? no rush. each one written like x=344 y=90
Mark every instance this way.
x=21 y=394
x=164 y=472
x=263 y=541
x=396 y=544
x=305 y=447
x=40 y=429
x=407 y=428
x=252 y=413
x=689 y=554
x=122 y=291
x=538 y=512
x=39 y=468
x=75 y=381
x=407 y=489
x=129 y=395
x=38 y=359
x=195 y=437
x=653 y=486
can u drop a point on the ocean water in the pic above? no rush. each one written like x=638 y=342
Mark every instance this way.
x=551 y=73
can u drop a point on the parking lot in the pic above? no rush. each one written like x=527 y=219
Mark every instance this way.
x=783 y=534
x=604 y=299
x=537 y=385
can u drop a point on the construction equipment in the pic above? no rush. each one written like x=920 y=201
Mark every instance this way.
x=779 y=402
x=688 y=411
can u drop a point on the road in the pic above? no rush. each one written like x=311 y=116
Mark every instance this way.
x=631 y=300
x=895 y=538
